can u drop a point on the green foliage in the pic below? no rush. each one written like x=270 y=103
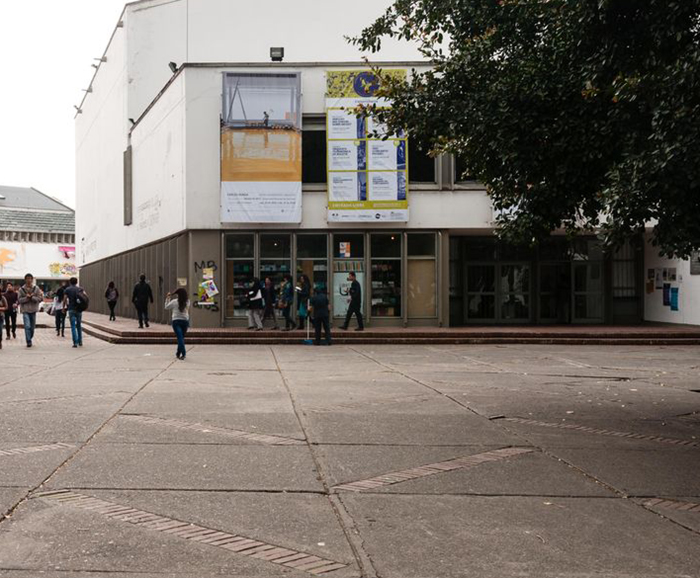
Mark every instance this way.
x=576 y=114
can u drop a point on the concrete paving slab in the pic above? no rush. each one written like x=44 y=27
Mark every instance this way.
x=30 y=469
x=641 y=472
x=213 y=467
x=123 y=430
x=47 y=536
x=464 y=429
x=508 y=537
x=296 y=521
x=9 y=497
x=531 y=474
x=689 y=520
x=44 y=424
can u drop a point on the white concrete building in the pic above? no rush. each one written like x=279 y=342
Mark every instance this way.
x=149 y=182
x=37 y=236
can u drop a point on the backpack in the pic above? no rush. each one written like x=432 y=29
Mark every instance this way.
x=82 y=302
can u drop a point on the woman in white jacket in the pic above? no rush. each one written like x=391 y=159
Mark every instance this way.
x=179 y=305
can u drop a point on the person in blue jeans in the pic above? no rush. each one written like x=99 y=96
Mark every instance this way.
x=72 y=298
x=179 y=306
x=30 y=298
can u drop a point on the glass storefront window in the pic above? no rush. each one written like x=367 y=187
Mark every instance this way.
x=348 y=245
x=240 y=246
x=239 y=274
x=421 y=276
x=386 y=245
x=312 y=259
x=386 y=275
x=275 y=246
x=479 y=249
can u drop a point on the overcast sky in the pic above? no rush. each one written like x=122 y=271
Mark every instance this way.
x=46 y=49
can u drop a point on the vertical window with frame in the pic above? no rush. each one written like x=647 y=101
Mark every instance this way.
x=421 y=292
x=386 y=274
x=240 y=270
x=313 y=150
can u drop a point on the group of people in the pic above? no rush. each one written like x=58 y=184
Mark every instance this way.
x=312 y=305
x=70 y=300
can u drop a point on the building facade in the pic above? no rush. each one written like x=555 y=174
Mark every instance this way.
x=150 y=144
x=37 y=236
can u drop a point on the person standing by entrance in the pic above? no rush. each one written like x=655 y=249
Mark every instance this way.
x=141 y=297
x=179 y=306
x=12 y=299
x=304 y=290
x=59 y=310
x=3 y=312
x=30 y=298
x=321 y=316
x=270 y=301
x=285 y=303
x=255 y=306
x=112 y=296
x=74 y=299
x=355 y=301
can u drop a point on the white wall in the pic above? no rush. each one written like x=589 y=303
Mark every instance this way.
x=100 y=140
x=688 y=295
x=428 y=209
x=43 y=260
x=158 y=148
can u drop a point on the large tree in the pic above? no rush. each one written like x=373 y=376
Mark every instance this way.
x=576 y=114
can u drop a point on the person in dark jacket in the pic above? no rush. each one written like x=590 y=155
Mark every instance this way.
x=270 y=298
x=112 y=296
x=255 y=306
x=321 y=315
x=59 y=311
x=304 y=291
x=11 y=313
x=285 y=303
x=141 y=297
x=355 y=301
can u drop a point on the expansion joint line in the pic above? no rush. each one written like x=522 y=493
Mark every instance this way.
x=345 y=520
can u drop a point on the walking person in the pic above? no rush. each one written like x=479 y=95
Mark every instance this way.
x=355 y=301
x=285 y=303
x=179 y=306
x=270 y=299
x=75 y=301
x=30 y=298
x=141 y=297
x=112 y=296
x=59 y=310
x=12 y=299
x=255 y=306
x=3 y=312
x=304 y=290
x=321 y=316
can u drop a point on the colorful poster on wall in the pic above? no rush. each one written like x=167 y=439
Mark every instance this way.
x=261 y=148
x=667 y=294
x=674 y=298
x=367 y=169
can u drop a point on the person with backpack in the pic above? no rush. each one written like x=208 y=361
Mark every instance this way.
x=30 y=298
x=76 y=301
x=112 y=296
x=141 y=297
x=179 y=305
x=285 y=303
x=321 y=315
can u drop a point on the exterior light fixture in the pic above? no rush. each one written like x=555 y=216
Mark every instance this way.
x=173 y=67
x=277 y=53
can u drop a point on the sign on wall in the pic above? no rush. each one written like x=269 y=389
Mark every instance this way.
x=261 y=148
x=367 y=168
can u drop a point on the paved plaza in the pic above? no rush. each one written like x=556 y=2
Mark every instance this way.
x=424 y=461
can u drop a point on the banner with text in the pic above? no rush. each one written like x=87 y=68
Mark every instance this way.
x=367 y=173
x=261 y=148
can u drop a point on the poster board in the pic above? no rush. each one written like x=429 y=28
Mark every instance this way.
x=367 y=168
x=261 y=148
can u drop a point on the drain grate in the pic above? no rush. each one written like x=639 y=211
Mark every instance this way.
x=30 y=450
x=270 y=440
x=432 y=469
x=370 y=403
x=673 y=505
x=605 y=432
x=232 y=542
